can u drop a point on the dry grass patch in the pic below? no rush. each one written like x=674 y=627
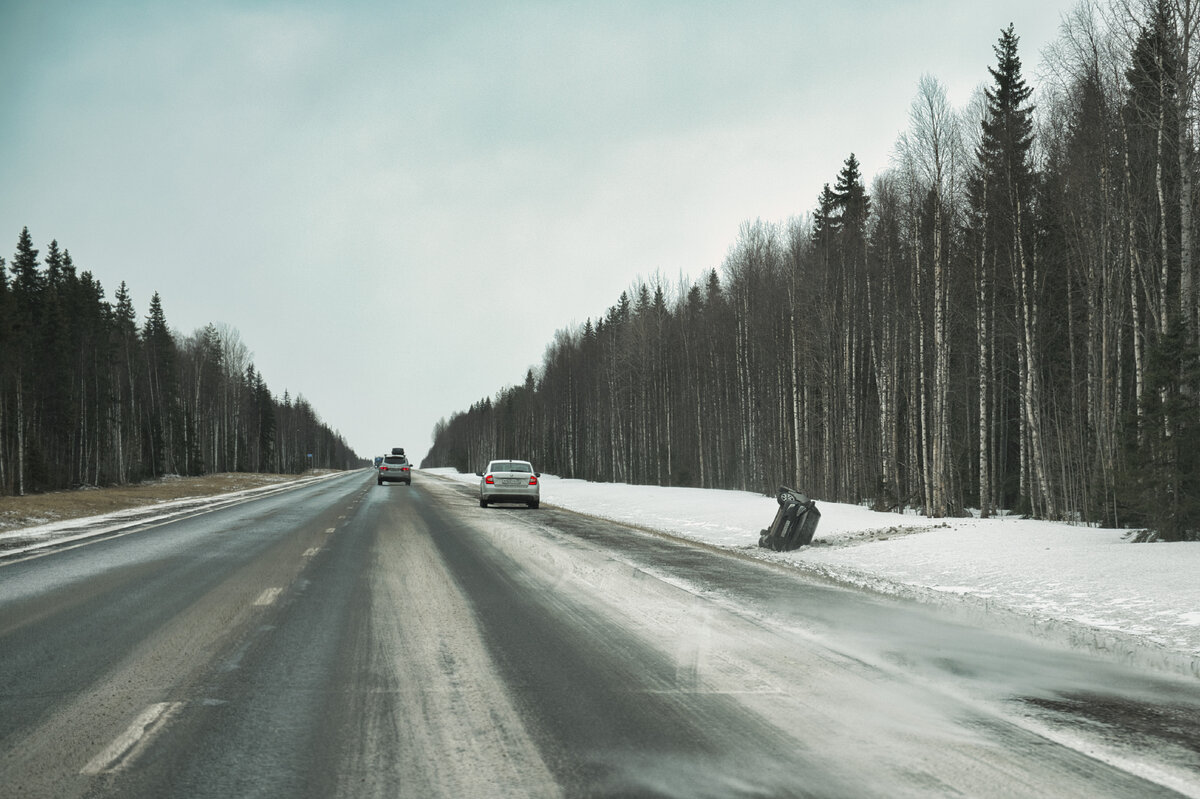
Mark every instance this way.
x=34 y=509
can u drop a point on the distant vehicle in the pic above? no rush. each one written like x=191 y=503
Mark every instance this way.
x=509 y=481
x=395 y=469
x=378 y=460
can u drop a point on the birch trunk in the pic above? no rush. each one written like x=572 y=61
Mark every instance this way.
x=983 y=347
x=1031 y=398
x=1135 y=307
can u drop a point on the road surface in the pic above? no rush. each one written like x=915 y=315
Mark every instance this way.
x=351 y=640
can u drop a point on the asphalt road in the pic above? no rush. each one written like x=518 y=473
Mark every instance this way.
x=348 y=639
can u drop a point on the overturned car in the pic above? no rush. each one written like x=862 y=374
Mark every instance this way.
x=794 y=524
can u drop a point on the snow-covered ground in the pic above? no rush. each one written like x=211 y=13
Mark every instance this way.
x=1085 y=586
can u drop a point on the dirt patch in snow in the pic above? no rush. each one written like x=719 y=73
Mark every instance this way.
x=857 y=537
x=34 y=509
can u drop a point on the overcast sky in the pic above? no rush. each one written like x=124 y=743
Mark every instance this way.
x=398 y=204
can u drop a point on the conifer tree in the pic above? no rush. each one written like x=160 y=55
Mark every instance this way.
x=1161 y=488
x=1004 y=196
x=27 y=279
x=849 y=197
x=27 y=299
x=163 y=397
x=825 y=220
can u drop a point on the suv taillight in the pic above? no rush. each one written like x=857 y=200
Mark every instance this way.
x=533 y=480
x=490 y=480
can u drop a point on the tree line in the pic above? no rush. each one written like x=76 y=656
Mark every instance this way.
x=89 y=396
x=1009 y=319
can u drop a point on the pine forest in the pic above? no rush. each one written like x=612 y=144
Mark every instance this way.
x=90 y=396
x=1007 y=318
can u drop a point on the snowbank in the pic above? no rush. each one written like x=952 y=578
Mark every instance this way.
x=1084 y=585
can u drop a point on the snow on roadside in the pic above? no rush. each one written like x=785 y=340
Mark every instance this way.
x=1088 y=586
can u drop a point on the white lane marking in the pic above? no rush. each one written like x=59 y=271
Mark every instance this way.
x=311 y=551
x=138 y=732
x=268 y=597
x=331 y=530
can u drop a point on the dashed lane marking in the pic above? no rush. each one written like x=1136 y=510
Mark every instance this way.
x=123 y=747
x=311 y=551
x=268 y=597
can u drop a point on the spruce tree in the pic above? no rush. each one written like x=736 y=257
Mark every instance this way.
x=825 y=221
x=1003 y=197
x=849 y=197
x=164 y=419
x=1161 y=489
x=27 y=280
x=1157 y=487
x=1007 y=138
x=26 y=307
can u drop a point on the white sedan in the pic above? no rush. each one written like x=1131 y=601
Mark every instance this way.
x=509 y=481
